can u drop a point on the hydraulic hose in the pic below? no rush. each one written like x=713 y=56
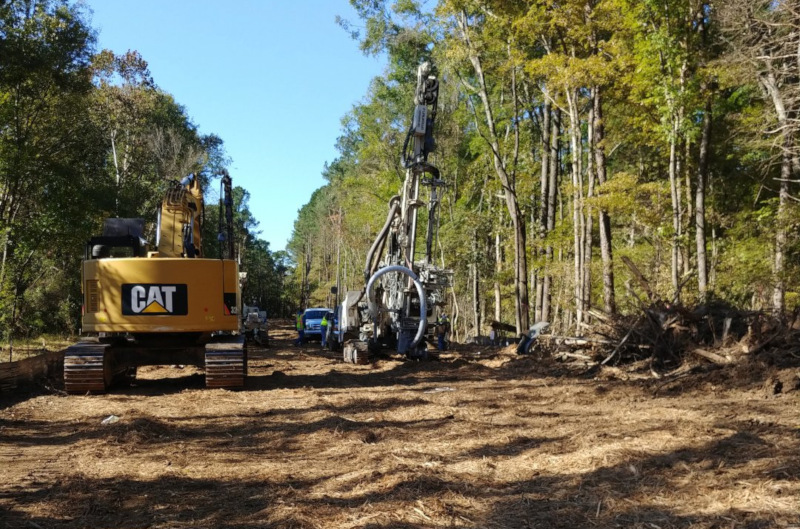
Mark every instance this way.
x=423 y=303
x=403 y=157
x=395 y=205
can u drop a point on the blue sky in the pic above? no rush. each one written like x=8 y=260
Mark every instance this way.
x=272 y=78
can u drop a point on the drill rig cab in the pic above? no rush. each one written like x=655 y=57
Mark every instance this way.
x=165 y=306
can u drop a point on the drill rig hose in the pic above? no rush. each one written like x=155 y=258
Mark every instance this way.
x=394 y=206
x=423 y=303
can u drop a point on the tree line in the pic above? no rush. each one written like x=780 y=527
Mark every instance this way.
x=599 y=154
x=86 y=135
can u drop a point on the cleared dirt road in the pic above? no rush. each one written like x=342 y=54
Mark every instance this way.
x=481 y=438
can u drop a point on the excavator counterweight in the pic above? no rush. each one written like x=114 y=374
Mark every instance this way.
x=162 y=307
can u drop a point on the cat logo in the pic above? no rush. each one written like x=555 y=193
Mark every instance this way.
x=154 y=300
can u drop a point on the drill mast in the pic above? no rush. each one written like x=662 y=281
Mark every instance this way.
x=401 y=290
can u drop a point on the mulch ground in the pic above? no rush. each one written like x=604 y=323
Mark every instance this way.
x=480 y=438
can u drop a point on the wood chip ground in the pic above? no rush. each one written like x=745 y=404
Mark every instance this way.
x=482 y=438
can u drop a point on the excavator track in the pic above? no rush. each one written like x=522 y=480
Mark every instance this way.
x=86 y=368
x=226 y=364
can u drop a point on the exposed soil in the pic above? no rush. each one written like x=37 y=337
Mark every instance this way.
x=480 y=438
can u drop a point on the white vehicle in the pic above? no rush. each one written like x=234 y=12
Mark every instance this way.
x=254 y=325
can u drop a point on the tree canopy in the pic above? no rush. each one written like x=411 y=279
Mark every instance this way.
x=587 y=145
x=85 y=135
x=576 y=137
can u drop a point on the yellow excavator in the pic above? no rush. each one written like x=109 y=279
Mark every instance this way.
x=167 y=306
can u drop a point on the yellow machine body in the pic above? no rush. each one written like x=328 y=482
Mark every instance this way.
x=160 y=295
x=181 y=212
x=162 y=307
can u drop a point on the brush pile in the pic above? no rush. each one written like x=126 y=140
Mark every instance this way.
x=673 y=341
x=665 y=333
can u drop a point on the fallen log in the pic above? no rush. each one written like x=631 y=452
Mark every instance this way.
x=573 y=340
x=713 y=357
x=579 y=342
x=753 y=349
x=578 y=356
x=600 y=315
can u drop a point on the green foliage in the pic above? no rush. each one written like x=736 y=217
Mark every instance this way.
x=48 y=151
x=86 y=136
x=92 y=132
x=657 y=63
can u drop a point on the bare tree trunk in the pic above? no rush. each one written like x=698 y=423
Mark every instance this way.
x=456 y=314
x=690 y=215
x=676 y=208
x=476 y=291
x=679 y=163
x=770 y=84
x=507 y=180
x=778 y=265
x=6 y=242
x=305 y=290
x=586 y=213
x=483 y=316
x=700 y=205
x=577 y=220
x=606 y=252
x=714 y=245
x=552 y=193
x=498 y=263
x=521 y=274
x=544 y=182
x=116 y=171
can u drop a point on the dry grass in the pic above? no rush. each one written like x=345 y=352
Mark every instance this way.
x=32 y=347
x=481 y=438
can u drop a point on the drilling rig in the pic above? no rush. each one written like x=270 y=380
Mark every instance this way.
x=171 y=305
x=401 y=290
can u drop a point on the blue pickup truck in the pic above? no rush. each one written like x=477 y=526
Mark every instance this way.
x=313 y=319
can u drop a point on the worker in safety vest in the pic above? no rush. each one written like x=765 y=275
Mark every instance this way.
x=300 y=324
x=442 y=325
x=323 y=328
